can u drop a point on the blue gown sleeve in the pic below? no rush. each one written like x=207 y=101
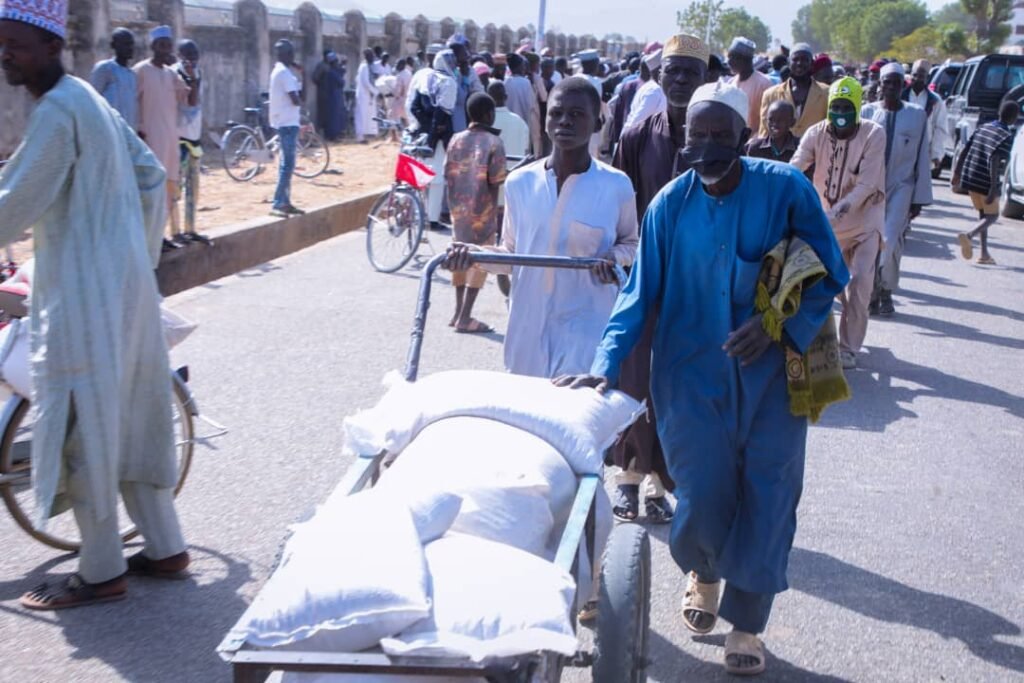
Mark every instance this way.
x=639 y=295
x=807 y=221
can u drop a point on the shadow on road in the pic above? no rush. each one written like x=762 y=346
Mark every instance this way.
x=877 y=403
x=875 y=596
x=932 y=300
x=945 y=281
x=165 y=631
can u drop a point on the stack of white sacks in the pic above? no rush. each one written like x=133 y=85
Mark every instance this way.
x=450 y=553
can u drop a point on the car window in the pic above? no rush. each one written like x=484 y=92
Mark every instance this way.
x=1014 y=76
x=994 y=76
x=965 y=74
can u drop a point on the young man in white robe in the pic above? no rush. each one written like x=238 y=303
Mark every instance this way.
x=568 y=204
x=94 y=195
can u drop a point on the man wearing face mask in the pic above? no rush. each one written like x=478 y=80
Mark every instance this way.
x=808 y=97
x=649 y=155
x=908 y=182
x=733 y=447
x=848 y=156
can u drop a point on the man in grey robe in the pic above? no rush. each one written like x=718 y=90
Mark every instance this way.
x=94 y=196
x=908 y=181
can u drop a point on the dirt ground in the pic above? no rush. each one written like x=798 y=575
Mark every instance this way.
x=353 y=170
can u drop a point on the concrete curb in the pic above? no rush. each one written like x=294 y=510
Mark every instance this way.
x=258 y=241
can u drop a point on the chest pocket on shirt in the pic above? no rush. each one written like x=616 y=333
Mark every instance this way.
x=585 y=241
x=744 y=282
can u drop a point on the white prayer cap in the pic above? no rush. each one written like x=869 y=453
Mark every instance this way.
x=802 y=47
x=588 y=55
x=729 y=95
x=49 y=15
x=653 y=60
x=743 y=46
x=892 y=68
x=160 y=32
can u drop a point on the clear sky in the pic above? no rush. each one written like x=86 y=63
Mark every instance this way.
x=650 y=20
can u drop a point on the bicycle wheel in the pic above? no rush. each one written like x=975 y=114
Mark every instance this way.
x=394 y=229
x=311 y=154
x=61 y=531
x=240 y=153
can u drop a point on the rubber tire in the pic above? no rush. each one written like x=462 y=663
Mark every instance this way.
x=1011 y=208
x=307 y=138
x=181 y=400
x=624 y=608
x=243 y=133
x=419 y=229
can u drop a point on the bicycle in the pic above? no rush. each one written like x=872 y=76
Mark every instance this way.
x=397 y=220
x=18 y=416
x=247 y=148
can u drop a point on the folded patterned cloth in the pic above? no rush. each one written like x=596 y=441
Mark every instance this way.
x=815 y=379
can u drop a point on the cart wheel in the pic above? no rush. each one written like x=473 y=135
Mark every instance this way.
x=624 y=608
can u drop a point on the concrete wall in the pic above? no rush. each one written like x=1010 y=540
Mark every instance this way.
x=236 y=39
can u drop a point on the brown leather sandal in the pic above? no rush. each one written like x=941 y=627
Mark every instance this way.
x=74 y=592
x=174 y=567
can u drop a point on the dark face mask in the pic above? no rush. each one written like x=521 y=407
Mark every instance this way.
x=711 y=161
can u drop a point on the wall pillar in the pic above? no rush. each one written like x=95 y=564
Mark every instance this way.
x=251 y=16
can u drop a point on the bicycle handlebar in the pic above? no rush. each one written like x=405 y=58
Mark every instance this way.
x=412 y=366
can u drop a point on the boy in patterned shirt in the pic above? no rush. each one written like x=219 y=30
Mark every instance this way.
x=474 y=172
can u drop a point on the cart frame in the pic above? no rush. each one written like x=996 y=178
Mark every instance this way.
x=252 y=665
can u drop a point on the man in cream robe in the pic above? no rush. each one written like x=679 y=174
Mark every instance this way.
x=94 y=196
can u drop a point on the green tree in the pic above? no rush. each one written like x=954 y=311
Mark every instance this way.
x=735 y=22
x=700 y=18
x=883 y=22
x=990 y=17
x=803 y=32
x=954 y=41
x=953 y=13
x=924 y=43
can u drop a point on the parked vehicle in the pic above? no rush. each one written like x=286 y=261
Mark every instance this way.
x=942 y=77
x=1013 y=179
x=977 y=93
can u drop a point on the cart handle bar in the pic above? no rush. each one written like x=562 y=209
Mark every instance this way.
x=412 y=366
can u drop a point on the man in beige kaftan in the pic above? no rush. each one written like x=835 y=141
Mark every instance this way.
x=94 y=196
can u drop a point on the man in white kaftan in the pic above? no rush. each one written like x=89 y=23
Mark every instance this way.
x=908 y=182
x=650 y=98
x=93 y=194
x=366 y=98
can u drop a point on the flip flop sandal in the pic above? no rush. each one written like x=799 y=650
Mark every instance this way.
x=475 y=327
x=987 y=261
x=627 y=503
x=73 y=592
x=658 y=510
x=701 y=598
x=140 y=565
x=739 y=644
x=966 y=248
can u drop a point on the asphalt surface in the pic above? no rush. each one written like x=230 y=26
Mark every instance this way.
x=907 y=564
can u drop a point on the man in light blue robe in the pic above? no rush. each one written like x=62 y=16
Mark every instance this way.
x=718 y=382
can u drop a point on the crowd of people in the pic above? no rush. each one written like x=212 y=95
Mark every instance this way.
x=744 y=197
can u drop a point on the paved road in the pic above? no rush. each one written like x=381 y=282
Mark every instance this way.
x=907 y=565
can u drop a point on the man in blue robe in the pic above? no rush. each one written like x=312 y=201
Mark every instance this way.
x=719 y=383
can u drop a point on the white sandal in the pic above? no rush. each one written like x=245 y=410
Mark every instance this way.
x=743 y=644
x=703 y=598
